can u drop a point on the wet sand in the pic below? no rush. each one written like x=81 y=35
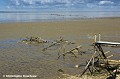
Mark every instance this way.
x=56 y=29
x=25 y=59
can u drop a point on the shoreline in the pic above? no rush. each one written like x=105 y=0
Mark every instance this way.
x=63 y=20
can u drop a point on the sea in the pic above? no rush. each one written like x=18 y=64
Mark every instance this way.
x=47 y=16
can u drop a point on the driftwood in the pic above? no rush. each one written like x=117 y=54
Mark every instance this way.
x=59 y=42
x=77 y=49
x=62 y=45
x=34 y=40
x=114 y=62
x=89 y=64
x=98 y=65
x=73 y=51
x=49 y=46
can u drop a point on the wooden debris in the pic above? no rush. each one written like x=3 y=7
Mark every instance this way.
x=59 y=42
x=73 y=51
x=49 y=46
x=109 y=56
x=89 y=64
x=114 y=61
x=29 y=40
x=99 y=61
x=76 y=49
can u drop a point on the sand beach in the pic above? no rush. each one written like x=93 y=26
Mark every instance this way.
x=26 y=59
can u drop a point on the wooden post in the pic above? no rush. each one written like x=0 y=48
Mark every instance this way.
x=99 y=37
x=106 y=52
x=110 y=56
x=88 y=64
x=95 y=38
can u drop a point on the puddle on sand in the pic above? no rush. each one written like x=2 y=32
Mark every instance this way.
x=10 y=50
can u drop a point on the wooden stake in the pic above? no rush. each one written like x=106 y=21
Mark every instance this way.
x=110 y=56
x=88 y=64
x=99 y=37
x=107 y=52
x=95 y=38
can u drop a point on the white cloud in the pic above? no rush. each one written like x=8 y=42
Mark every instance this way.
x=32 y=2
x=28 y=1
x=91 y=5
x=8 y=7
x=17 y=2
x=106 y=2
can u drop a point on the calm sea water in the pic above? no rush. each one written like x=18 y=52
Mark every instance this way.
x=53 y=16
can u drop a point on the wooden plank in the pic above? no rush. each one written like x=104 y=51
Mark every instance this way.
x=114 y=61
x=107 y=43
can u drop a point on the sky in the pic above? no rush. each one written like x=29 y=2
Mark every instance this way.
x=57 y=5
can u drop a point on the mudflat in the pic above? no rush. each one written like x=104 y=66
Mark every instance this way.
x=23 y=59
x=64 y=28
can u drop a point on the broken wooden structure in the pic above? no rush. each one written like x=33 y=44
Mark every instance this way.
x=99 y=61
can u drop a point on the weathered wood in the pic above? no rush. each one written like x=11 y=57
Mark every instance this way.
x=72 y=51
x=88 y=64
x=34 y=40
x=107 y=52
x=109 y=56
x=58 y=42
x=101 y=50
x=100 y=61
x=107 y=43
x=49 y=46
x=114 y=62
